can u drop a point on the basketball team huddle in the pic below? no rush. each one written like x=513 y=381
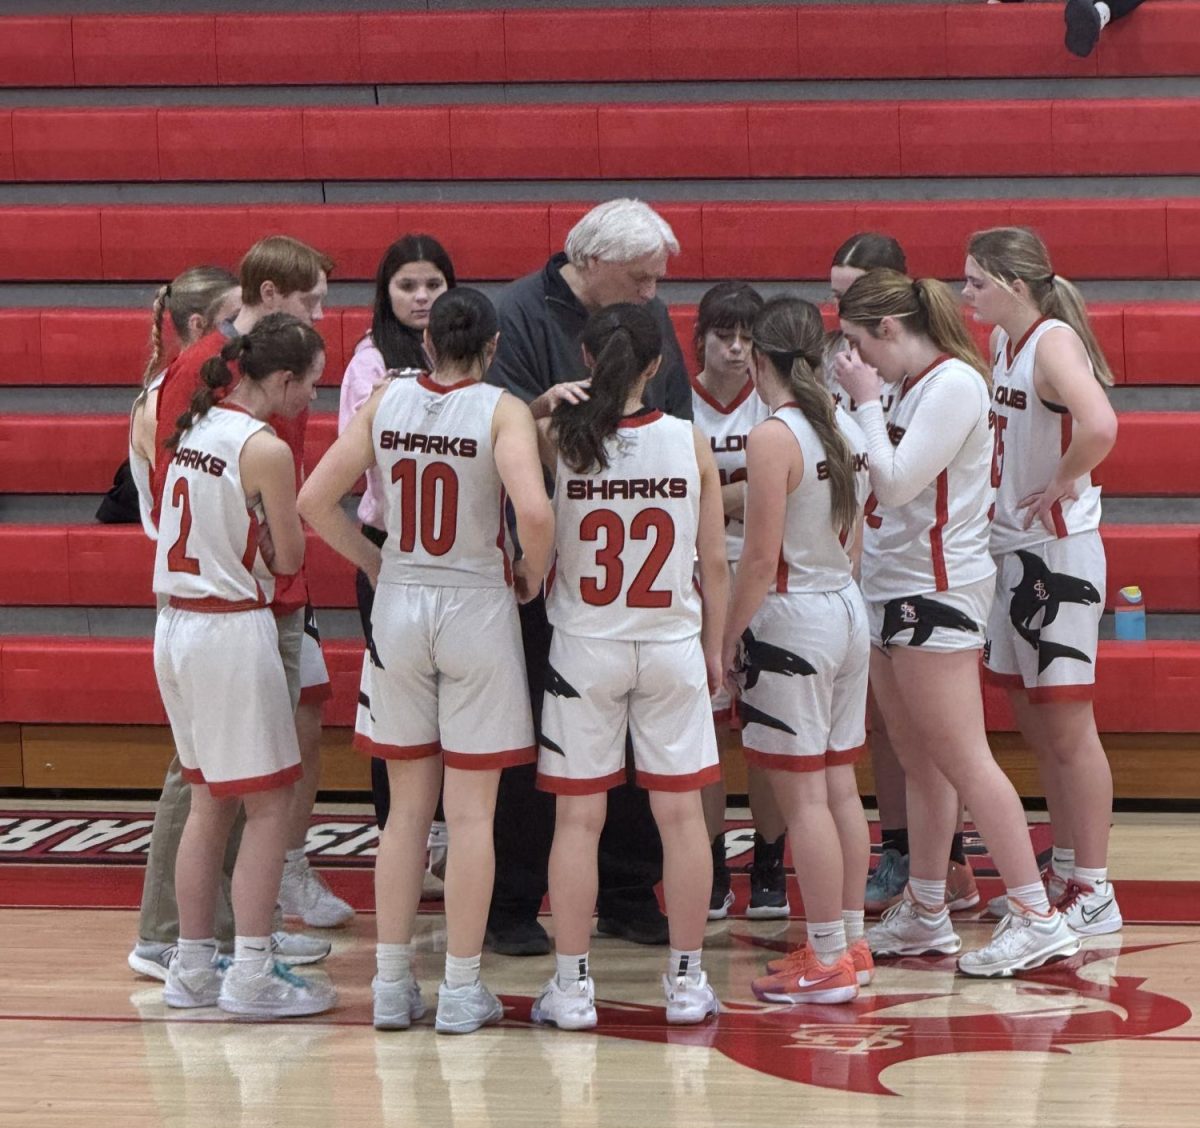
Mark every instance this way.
x=850 y=519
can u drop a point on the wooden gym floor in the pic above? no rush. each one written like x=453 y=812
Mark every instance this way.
x=1110 y=1039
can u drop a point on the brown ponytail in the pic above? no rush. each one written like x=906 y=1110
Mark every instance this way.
x=790 y=333
x=622 y=341
x=928 y=306
x=1005 y=254
x=279 y=342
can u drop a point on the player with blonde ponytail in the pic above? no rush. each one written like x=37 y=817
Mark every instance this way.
x=929 y=581
x=1053 y=426
x=796 y=644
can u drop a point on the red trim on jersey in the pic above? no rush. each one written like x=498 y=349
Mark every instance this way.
x=781 y=575
x=368 y=747
x=1011 y=353
x=315 y=694
x=1002 y=681
x=782 y=761
x=716 y=404
x=941 y=516
x=640 y=420
x=560 y=785
x=836 y=757
x=490 y=761
x=549 y=584
x=1060 y=524
x=693 y=781
x=431 y=385
x=912 y=381
x=251 y=552
x=500 y=538
x=228 y=788
x=1048 y=694
x=214 y=605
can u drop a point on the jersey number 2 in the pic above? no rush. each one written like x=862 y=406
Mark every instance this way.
x=438 y=525
x=177 y=558
x=641 y=592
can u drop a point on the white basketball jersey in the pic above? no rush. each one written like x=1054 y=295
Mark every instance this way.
x=814 y=556
x=139 y=470
x=727 y=427
x=939 y=540
x=626 y=537
x=443 y=501
x=207 y=549
x=1030 y=438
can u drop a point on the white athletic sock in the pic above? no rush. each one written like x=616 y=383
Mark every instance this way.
x=1096 y=878
x=571 y=969
x=684 y=965
x=827 y=940
x=1029 y=897
x=853 y=921
x=1062 y=862
x=1105 y=13
x=294 y=858
x=439 y=835
x=393 y=961
x=929 y=893
x=196 y=953
x=251 y=950
x=462 y=971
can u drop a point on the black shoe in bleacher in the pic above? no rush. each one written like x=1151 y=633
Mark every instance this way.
x=1083 y=27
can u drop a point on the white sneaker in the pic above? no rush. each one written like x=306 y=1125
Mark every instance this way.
x=304 y=894
x=152 y=959
x=912 y=929
x=688 y=1000
x=461 y=1010
x=1021 y=942
x=194 y=986
x=398 y=1003
x=1090 y=911
x=433 y=883
x=294 y=948
x=568 y=1008
x=1056 y=887
x=270 y=990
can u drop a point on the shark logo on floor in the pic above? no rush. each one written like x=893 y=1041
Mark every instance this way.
x=1043 y=592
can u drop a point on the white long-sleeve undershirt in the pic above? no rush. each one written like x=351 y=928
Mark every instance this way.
x=946 y=413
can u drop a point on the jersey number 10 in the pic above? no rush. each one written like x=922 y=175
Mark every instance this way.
x=438 y=524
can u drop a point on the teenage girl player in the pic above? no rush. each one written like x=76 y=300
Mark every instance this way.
x=444 y=677
x=1053 y=427
x=872 y=250
x=636 y=495
x=228 y=525
x=929 y=581
x=796 y=639
x=725 y=409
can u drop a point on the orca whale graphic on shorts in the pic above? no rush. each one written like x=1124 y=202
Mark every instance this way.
x=749 y=715
x=557 y=684
x=1042 y=590
x=921 y=615
x=762 y=658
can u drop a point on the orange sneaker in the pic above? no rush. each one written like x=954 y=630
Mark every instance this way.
x=864 y=962
x=961 y=890
x=807 y=980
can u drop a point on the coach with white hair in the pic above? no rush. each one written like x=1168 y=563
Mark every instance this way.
x=616 y=253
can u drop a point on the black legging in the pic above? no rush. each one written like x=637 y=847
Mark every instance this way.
x=381 y=792
x=1121 y=8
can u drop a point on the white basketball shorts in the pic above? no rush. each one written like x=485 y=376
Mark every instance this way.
x=936 y=621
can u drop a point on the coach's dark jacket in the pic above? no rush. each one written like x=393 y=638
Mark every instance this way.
x=541 y=321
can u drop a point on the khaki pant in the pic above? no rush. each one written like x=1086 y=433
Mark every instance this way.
x=159 y=920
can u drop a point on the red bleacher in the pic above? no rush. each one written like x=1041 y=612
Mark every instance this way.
x=660 y=141
x=1110 y=239
x=800 y=42
x=1156 y=453
x=111 y=566
x=1141 y=687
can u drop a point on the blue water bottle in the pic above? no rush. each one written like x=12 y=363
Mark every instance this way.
x=1131 y=615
